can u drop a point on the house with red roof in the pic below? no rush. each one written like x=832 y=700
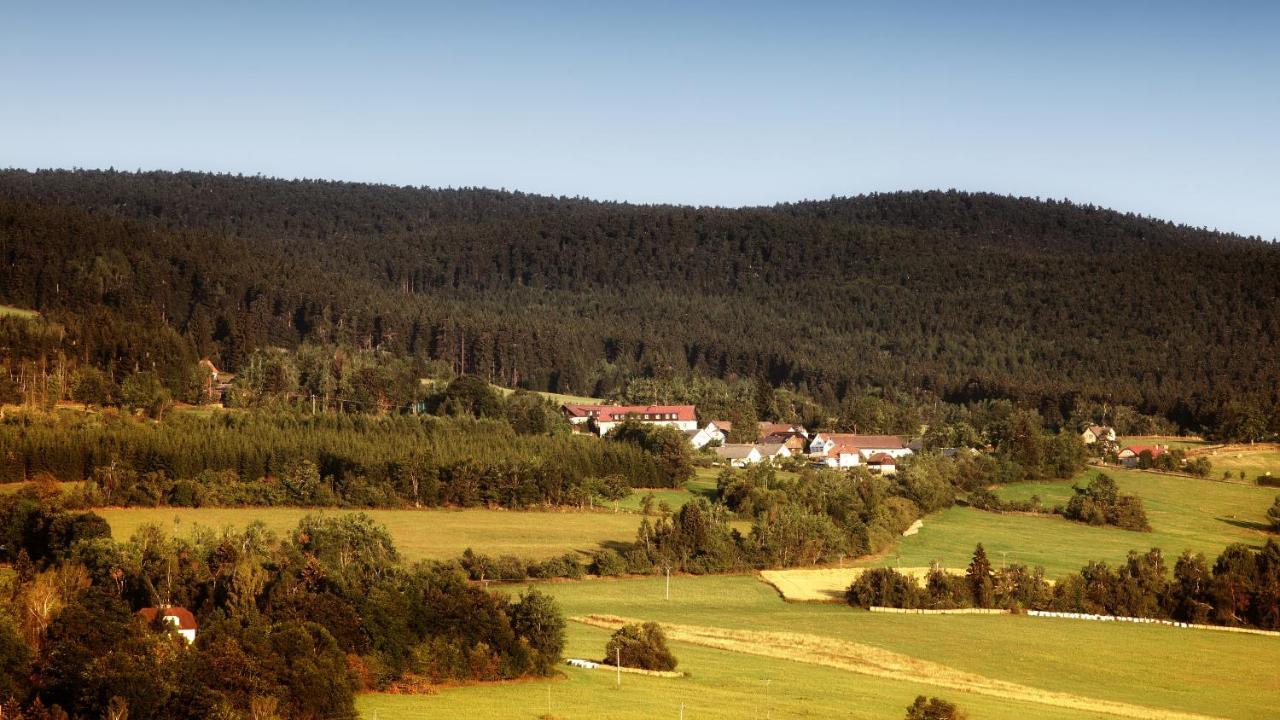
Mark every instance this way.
x=846 y=450
x=603 y=418
x=1131 y=455
x=179 y=617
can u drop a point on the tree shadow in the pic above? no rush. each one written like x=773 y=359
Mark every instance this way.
x=1246 y=524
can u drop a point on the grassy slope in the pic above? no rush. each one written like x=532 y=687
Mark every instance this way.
x=420 y=534
x=1213 y=673
x=18 y=312
x=1185 y=513
x=1252 y=463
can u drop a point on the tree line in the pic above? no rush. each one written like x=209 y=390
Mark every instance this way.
x=152 y=271
x=281 y=458
x=1240 y=589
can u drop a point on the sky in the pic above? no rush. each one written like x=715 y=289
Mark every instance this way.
x=1166 y=109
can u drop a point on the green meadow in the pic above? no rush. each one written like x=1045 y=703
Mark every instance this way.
x=1185 y=514
x=1218 y=674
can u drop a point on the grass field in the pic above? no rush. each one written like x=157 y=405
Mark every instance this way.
x=1186 y=443
x=419 y=534
x=10 y=311
x=1252 y=462
x=1217 y=674
x=1184 y=513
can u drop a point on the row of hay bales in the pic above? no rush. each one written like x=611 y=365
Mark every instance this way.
x=932 y=611
x=1149 y=621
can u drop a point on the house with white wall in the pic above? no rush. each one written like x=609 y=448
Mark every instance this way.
x=603 y=418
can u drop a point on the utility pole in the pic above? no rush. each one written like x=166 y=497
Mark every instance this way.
x=768 y=713
x=618 y=682
x=681 y=711
x=667 y=595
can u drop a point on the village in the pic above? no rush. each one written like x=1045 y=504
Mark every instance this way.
x=785 y=443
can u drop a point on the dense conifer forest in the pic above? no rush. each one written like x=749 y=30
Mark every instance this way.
x=930 y=295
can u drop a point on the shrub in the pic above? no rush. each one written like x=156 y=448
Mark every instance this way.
x=884 y=587
x=608 y=563
x=640 y=646
x=933 y=709
x=1268 y=480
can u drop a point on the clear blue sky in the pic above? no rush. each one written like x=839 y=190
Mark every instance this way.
x=1161 y=108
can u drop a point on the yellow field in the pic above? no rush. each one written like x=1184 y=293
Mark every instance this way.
x=827 y=584
x=419 y=534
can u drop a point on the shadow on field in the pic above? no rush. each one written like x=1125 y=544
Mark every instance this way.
x=1246 y=524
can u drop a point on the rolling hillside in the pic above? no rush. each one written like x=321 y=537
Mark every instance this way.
x=939 y=294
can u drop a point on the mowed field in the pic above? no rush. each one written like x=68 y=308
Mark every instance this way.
x=1252 y=462
x=419 y=534
x=1185 y=514
x=1183 y=671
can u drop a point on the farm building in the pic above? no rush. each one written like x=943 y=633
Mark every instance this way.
x=603 y=418
x=846 y=450
x=883 y=463
x=1131 y=455
x=773 y=451
x=738 y=454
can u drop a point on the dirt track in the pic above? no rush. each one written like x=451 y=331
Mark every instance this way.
x=868 y=660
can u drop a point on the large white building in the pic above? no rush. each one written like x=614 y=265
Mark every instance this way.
x=846 y=450
x=603 y=418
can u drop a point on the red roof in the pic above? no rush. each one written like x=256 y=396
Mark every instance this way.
x=622 y=412
x=186 y=621
x=837 y=450
x=881 y=459
x=873 y=442
x=771 y=428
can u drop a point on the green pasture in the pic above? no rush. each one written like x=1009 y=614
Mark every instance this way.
x=1185 y=514
x=1219 y=674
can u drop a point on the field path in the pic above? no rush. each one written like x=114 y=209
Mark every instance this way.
x=869 y=660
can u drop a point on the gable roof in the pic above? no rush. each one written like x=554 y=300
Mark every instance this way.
x=736 y=451
x=881 y=459
x=770 y=449
x=186 y=621
x=772 y=428
x=724 y=425
x=872 y=442
x=617 y=413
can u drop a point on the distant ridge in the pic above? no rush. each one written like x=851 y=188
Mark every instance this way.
x=956 y=295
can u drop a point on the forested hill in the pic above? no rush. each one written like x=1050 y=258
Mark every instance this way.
x=953 y=295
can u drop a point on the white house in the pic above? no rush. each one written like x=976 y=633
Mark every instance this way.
x=738 y=454
x=1098 y=433
x=846 y=450
x=704 y=436
x=604 y=418
x=775 y=452
x=1130 y=456
x=179 y=617
x=883 y=463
